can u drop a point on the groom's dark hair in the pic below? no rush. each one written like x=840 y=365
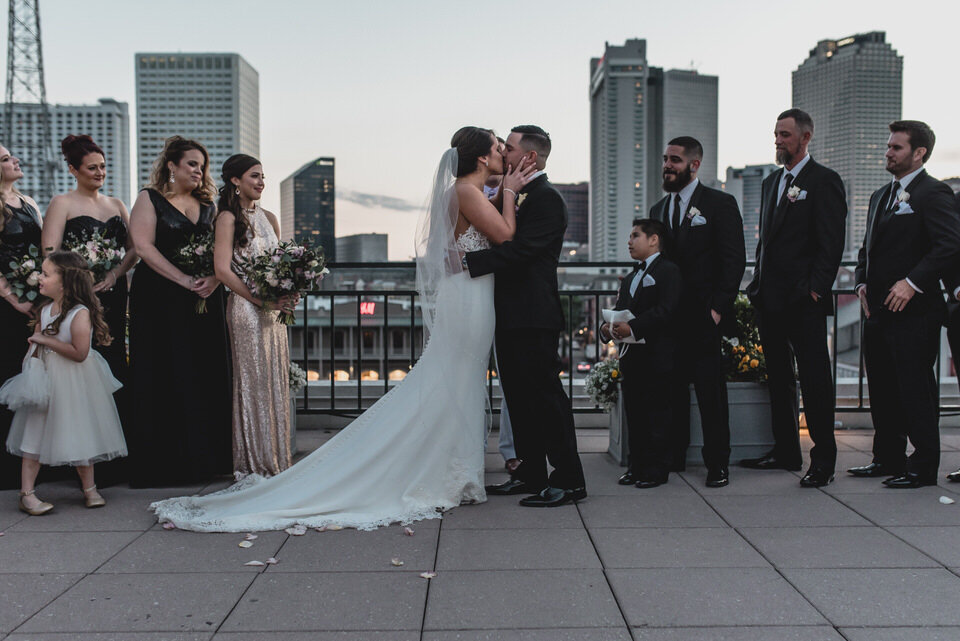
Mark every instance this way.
x=533 y=138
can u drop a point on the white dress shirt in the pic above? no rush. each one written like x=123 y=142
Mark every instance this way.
x=793 y=172
x=685 y=195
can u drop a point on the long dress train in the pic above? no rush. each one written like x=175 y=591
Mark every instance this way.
x=416 y=452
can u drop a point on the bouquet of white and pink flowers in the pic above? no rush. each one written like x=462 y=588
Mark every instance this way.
x=24 y=275
x=102 y=254
x=195 y=259
x=286 y=270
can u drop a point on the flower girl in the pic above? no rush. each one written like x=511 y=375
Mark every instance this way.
x=75 y=422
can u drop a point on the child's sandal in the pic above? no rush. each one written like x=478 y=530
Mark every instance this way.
x=92 y=497
x=42 y=508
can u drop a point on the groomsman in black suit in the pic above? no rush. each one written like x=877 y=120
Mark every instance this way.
x=529 y=322
x=704 y=237
x=652 y=293
x=912 y=241
x=953 y=326
x=802 y=227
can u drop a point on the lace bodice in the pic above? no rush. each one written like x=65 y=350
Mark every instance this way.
x=472 y=240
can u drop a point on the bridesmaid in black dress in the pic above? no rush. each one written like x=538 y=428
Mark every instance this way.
x=19 y=228
x=179 y=359
x=85 y=211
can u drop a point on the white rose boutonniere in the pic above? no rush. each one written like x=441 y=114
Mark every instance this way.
x=793 y=193
x=522 y=197
x=693 y=211
x=903 y=196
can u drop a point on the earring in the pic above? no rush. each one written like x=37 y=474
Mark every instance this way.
x=485 y=163
x=172 y=179
x=237 y=192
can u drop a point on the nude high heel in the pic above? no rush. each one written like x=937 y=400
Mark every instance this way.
x=40 y=510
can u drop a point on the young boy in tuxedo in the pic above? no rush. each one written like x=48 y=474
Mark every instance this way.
x=652 y=293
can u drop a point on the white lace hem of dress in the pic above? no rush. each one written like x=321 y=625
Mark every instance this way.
x=182 y=512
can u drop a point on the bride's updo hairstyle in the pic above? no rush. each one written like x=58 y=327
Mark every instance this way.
x=76 y=148
x=471 y=143
x=235 y=167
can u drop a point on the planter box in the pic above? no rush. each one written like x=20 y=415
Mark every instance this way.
x=750 y=422
x=750 y=425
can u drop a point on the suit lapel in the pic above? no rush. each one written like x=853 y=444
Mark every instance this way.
x=770 y=206
x=877 y=216
x=782 y=206
x=685 y=219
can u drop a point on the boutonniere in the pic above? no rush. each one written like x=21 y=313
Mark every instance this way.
x=522 y=197
x=793 y=193
x=904 y=196
x=693 y=212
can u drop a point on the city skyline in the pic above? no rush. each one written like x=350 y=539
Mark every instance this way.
x=382 y=89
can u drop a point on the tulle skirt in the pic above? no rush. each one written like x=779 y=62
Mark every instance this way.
x=80 y=425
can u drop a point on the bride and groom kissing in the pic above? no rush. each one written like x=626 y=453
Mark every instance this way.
x=486 y=269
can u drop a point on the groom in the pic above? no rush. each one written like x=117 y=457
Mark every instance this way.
x=529 y=322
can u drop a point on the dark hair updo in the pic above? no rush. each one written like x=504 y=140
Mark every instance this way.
x=235 y=167
x=471 y=143
x=76 y=148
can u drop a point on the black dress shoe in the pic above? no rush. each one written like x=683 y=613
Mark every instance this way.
x=954 y=477
x=817 y=477
x=718 y=476
x=910 y=480
x=769 y=462
x=554 y=496
x=873 y=470
x=650 y=481
x=513 y=486
x=627 y=479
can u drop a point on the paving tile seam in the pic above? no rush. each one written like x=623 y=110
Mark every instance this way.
x=249 y=585
x=426 y=594
x=603 y=569
x=47 y=604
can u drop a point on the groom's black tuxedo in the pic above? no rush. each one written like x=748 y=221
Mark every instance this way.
x=920 y=241
x=800 y=248
x=529 y=321
x=712 y=259
x=648 y=367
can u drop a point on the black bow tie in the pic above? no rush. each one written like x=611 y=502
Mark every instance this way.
x=642 y=265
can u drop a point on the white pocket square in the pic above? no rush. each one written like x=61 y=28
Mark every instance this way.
x=802 y=195
x=904 y=208
x=698 y=220
x=648 y=281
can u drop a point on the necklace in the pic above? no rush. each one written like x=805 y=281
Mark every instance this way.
x=251 y=210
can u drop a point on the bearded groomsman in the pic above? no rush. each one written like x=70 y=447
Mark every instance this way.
x=802 y=227
x=912 y=240
x=704 y=237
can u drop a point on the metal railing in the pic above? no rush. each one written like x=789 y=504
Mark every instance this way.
x=353 y=391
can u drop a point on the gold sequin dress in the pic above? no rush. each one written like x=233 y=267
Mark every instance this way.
x=261 y=364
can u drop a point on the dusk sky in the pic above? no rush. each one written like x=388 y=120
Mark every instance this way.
x=381 y=86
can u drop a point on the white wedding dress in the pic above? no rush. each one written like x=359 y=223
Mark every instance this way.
x=416 y=452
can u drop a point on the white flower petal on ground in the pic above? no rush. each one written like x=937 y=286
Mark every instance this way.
x=272 y=561
x=296 y=530
x=255 y=564
x=169 y=526
x=428 y=575
x=946 y=500
x=408 y=531
x=245 y=544
x=396 y=562
x=251 y=537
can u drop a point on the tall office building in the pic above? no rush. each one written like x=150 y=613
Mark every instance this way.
x=853 y=88
x=107 y=122
x=211 y=97
x=578 y=211
x=307 y=205
x=362 y=248
x=745 y=184
x=634 y=111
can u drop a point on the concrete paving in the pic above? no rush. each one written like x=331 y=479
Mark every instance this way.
x=762 y=559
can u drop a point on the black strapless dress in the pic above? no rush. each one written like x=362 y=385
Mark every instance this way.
x=180 y=383
x=19 y=232
x=114 y=302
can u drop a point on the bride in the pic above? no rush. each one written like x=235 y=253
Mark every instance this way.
x=420 y=449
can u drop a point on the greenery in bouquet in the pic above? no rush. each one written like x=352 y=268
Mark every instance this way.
x=298 y=378
x=195 y=259
x=24 y=275
x=603 y=383
x=743 y=353
x=102 y=254
x=287 y=270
